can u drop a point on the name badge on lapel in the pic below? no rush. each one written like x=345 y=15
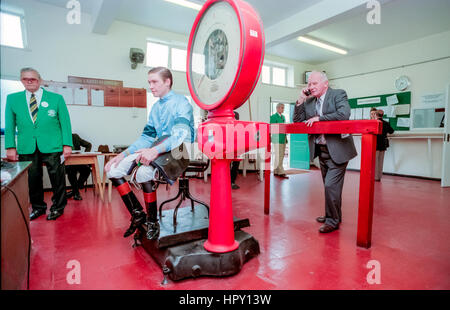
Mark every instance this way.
x=44 y=104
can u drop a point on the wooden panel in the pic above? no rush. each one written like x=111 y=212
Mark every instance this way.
x=112 y=96
x=139 y=97
x=93 y=81
x=126 y=97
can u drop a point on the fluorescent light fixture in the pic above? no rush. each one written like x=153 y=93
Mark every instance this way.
x=187 y=4
x=322 y=45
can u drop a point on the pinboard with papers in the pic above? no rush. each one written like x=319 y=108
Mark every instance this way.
x=396 y=107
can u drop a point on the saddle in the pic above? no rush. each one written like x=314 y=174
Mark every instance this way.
x=171 y=164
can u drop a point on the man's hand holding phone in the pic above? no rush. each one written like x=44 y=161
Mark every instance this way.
x=304 y=94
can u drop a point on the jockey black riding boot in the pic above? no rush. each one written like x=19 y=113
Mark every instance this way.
x=132 y=204
x=151 y=206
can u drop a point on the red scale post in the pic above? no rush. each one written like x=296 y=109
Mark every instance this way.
x=232 y=51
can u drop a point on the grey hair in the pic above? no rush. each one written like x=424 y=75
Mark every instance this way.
x=322 y=74
x=280 y=105
x=29 y=69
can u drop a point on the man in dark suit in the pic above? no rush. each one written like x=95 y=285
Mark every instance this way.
x=319 y=102
x=76 y=182
x=382 y=145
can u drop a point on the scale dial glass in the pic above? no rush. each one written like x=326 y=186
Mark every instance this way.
x=215 y=53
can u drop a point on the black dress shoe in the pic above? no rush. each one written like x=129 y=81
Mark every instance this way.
x=69 y=194
x=320 y=219
x=283 y=176
x=36 y=213
x=327 y=228
x=54 y=215
x=235 y=186
x=137 y=220
x=152 y=230
x=77 y=196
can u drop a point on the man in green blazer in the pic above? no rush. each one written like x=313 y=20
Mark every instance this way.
x=279 y=142
x=44 y=133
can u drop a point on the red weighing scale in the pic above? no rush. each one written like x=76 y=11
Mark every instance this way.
x=224 y=61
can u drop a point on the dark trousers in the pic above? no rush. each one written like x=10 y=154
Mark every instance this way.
x=75 y=181
x=333 y=180
x=57 y=175
x=234 y=171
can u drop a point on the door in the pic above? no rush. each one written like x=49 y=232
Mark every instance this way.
x=445 y=181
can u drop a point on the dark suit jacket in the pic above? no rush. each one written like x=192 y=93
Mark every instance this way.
x=335 y=108
x=78 y=143
x=382 y=140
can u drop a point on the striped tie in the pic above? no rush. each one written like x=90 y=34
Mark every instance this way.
x=33 y=107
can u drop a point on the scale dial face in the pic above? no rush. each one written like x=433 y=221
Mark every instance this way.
x=225 y=55
x=215 y=53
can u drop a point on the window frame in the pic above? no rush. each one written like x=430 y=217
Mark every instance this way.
x=284 y=67
x=23 y=29
x=170 y=45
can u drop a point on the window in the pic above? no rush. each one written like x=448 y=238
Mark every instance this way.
x=157 y=55
x=428 y=118
x=266 y=74
x=167 y=55
x=8 y=87
x=277 y=74
x=12 y=30
x=178 y=59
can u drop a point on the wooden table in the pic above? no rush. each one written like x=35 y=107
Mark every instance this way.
x=108 y=157
x=369 y=130
x=91 y=159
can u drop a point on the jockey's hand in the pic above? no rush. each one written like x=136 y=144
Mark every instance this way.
x=146 y=156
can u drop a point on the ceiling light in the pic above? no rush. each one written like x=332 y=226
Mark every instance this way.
x=322 y=45
x=187 y=4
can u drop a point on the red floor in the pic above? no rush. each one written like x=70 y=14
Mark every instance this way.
x=410 y=240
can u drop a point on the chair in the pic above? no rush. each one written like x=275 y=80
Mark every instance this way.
x=183 y=190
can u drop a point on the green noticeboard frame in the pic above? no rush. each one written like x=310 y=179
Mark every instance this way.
x=403 y=98
x=299 y=152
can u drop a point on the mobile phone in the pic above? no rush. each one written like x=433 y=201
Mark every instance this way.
x=307 y=92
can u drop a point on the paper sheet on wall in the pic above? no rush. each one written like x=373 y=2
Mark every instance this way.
x=51 y=88
x=358 y=114
x=433 y=100
x=81 y=96
x=391 y=100
x=373 y=100
x=389 y=111
x=67 y=94
x=402 y=109
x=403 y=122
x=97 y=98
x=352 y=114
x=366 y=113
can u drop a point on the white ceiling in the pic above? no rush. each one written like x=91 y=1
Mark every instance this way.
x=401 y=21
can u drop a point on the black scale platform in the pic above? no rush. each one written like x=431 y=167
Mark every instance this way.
x=180 y=253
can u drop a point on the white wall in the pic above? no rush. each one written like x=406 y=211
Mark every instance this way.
x=405 y=156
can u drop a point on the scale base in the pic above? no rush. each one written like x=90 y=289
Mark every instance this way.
x=185 y=256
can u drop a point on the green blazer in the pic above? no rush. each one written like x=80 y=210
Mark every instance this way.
x=278 y=138
x=51 y=130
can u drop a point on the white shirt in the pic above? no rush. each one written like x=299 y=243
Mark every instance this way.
x=320 y=138
x=38 y=95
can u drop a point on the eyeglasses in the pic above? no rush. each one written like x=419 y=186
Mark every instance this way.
x=29 y=80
